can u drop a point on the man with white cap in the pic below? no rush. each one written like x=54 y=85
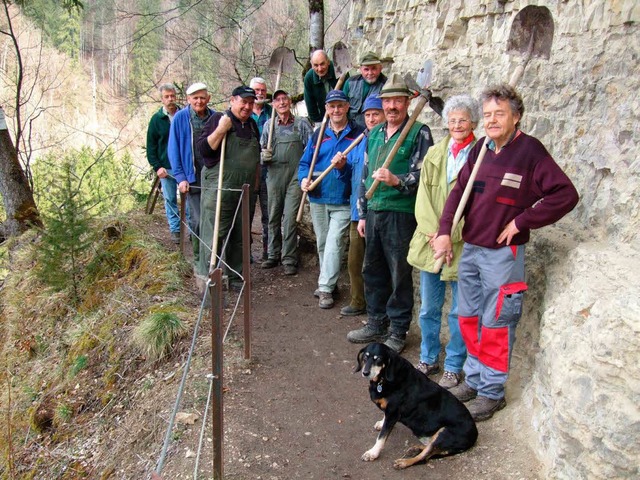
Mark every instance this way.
x=369 y=81
x=186 y=161
x=387 y=219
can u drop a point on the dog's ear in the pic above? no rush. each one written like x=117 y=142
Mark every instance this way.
x=391 y=366
x=359 y=360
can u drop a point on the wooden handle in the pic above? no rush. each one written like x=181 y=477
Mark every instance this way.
x=270 y=137
x=353 y=145
x=403 y=135
x=216 y=222
x=465 y=197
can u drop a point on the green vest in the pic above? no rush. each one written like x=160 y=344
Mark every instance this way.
x=387 y=198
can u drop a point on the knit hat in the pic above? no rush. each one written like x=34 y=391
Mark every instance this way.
x=395 y=87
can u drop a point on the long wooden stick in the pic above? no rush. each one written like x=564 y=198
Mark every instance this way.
x=353 y=145
x=273 y=122
x=403 y=135
x=323 y=127
x=216 y=223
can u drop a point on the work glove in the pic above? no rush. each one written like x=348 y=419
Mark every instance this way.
x=266 y=156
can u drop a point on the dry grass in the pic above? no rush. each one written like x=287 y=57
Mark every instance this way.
x=63 y=362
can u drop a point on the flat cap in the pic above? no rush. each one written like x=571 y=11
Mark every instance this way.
x=196 y=87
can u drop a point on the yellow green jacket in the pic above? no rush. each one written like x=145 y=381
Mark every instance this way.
x=433 y=191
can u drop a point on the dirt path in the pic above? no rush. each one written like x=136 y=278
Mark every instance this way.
x=296 y=410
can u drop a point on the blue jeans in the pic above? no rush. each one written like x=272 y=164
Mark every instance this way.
x=388 y=282
x=330 y=224
x=169 y=192
x=432 y=297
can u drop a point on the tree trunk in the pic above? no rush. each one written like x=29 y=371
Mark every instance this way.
x=22 y=212
x=316 y=25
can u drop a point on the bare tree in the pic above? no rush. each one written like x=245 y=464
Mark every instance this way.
x=316 y=25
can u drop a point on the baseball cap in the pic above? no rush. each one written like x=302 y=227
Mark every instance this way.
x=369 y=58
x=372 y=101
x=243 y=91
x=336 y=96
x=278 y=92
x=196 y=87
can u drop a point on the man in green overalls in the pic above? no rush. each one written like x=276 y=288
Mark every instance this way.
x=241 y=165
x=290 y=136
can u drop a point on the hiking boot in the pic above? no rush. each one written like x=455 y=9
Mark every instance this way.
x=175 y=237
x=326 y=300
x=428 y=368
x=290 y=270
x=368 y=334
x=350 y=311
x=396 y=342
x=464 y=392
x=316 y=293
x=269 y=263
x=483 y=408
x=450 y=379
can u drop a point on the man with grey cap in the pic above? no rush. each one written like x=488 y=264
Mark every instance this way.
x=369 y=81
x=387 y=220
x=241 y=165
x=290 y=135
x=186 y=161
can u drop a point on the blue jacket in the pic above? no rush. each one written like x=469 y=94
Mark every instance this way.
x=335 y=188
x=356 y=160
x=180 y=148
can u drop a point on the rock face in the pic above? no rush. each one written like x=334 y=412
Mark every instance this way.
x=576 y=374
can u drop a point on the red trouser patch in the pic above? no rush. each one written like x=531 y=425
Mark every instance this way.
x=469 y=331
x=494 y=348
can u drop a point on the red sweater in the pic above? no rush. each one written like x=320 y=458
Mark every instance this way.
x=521 y=182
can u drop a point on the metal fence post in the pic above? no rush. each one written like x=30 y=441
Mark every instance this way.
x=246 y=267
x=217 y=312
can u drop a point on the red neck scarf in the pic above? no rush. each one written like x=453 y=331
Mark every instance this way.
x=456 y=147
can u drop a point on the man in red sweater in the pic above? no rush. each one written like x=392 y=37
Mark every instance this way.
x=518 y=187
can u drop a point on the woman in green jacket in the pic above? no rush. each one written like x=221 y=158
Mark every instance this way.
x=439 y=172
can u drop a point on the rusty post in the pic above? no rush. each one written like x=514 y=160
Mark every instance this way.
x=246 y=267
x=183 y=223
x=153 y=195
x=217 y=312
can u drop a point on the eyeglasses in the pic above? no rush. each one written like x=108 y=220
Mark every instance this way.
x=455 y=123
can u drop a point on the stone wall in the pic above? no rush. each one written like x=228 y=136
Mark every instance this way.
x=576 y=361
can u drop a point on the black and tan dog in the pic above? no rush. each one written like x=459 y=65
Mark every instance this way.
x=407 y=396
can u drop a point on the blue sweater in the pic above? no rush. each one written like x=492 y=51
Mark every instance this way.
x=335 y=188
x=180 y=148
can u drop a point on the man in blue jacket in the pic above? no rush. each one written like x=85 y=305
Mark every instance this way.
x=330 y=212
x=186 y=161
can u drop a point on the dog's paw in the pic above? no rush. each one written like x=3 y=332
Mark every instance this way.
x=401 y=464
x=370 y=455
x=378 y=425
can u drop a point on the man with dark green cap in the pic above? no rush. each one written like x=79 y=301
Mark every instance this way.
x=387 y=220
x=369 y=81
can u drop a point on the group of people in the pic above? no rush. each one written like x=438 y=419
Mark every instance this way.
x=399 y=213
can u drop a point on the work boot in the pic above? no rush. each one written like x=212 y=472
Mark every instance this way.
x=464 y=392
x=290 y=270
x=368 y=334
x=269 y=263
x=326 y=300
x=175 y=237
x=350 y=311
x=428 y=368
x=483 y=408
x=450 y=379
x=396 y=342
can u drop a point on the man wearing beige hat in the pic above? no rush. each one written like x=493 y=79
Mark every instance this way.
x=186 y=161
x=369 y=81
x=387 y=220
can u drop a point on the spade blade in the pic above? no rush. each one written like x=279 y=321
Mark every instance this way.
x=424 y=75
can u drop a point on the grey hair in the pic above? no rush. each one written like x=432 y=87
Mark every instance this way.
x=167 y=86
x=504 y=91
x=255 y=80
x=462 y=102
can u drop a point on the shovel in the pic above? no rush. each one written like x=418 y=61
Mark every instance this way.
x=423 y=82
x=282 y=58
x=527 y=27
x=341 y=64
